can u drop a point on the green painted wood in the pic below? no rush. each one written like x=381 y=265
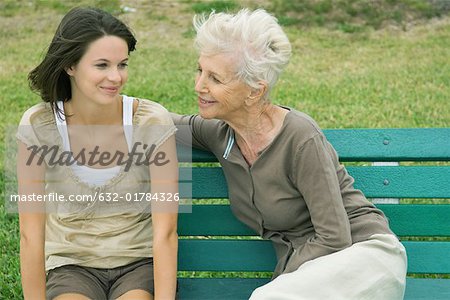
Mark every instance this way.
x=420 y=144
x=404 y=219
x=375 y=182
x=406 y=144
x=403 y=181
x=225 y=255
x=208 y=182
x=187 y=154
x=239 y=288
x=428 y=257
x=427 y=289
x=218 y=288
x=214 y=220
x=418 y=220
x=258 y=255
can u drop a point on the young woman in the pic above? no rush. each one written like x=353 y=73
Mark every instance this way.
x=108 y=159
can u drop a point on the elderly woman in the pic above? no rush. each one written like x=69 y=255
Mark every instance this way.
x=284 y=178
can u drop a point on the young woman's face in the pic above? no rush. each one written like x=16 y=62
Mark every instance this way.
x=101 y=72
x=220 y=94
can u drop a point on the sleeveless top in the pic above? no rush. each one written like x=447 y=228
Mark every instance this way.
x=96 y=233
x=94 y=176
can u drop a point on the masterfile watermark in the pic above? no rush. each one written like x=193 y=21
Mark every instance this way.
x=97 y=196
x=140 y=154
x=135 y=153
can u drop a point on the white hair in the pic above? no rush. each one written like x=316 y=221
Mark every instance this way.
x=254 y=38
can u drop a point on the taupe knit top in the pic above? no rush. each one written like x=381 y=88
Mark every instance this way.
x=296 y=193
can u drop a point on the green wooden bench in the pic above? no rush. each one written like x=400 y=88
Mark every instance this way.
x=212 y=240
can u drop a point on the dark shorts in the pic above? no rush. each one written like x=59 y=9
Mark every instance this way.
x=101 y=284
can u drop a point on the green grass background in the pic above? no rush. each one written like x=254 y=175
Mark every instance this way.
x=354 y=65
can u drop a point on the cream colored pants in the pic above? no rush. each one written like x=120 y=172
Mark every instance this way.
x=373 y=269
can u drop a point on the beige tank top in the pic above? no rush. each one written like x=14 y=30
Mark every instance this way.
x=97 y=233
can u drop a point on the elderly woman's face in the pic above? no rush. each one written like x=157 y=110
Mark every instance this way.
x=220 y=94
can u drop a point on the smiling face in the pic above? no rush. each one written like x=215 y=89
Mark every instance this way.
x=102 y=72
x=220 y=94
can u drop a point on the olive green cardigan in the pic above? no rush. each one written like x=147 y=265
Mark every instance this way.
x=296 y=193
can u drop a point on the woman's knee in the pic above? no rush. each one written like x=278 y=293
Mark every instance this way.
x=71 y=296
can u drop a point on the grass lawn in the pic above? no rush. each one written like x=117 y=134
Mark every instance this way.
x=394 y=76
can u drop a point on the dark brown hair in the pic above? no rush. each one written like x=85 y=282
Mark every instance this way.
x=77 y=30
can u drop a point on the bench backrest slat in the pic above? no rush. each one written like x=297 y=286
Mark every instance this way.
x=405 y=220
x=259 y=256
x=375 y=182
x=417 y=144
